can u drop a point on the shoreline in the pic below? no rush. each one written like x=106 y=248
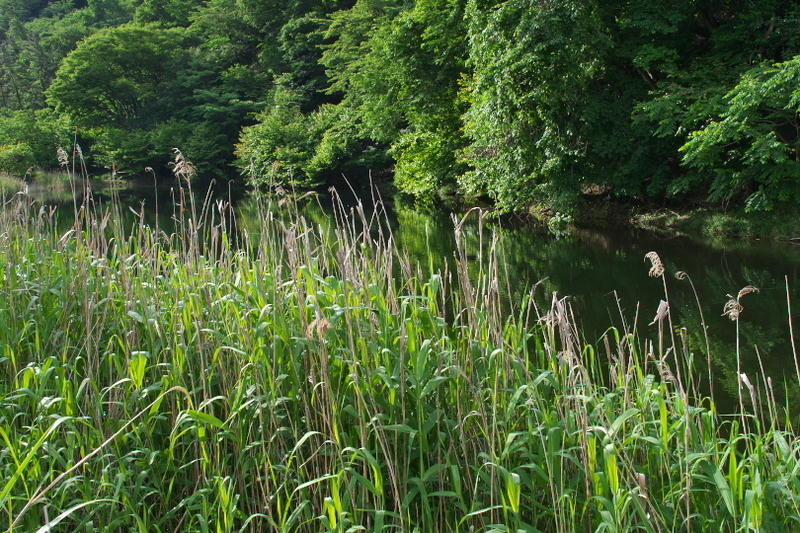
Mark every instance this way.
x=697 y=220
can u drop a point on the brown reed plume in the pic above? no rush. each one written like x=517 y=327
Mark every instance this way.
x=657 y=267
x=733 y=307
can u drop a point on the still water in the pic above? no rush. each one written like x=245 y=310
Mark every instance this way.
x=605 y=276
x=603 y=272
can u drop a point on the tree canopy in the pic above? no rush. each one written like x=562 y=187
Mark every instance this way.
x=515 y=101
x=115 y=75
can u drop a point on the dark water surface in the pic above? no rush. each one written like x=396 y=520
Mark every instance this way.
x=603 y=272
x=605 y=275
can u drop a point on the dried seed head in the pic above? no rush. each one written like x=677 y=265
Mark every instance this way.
x=746 y=290
x=182 y=167
x=642 y=480
x=746 y=380
x=664 y=371
x=657 y=268
x=732 y=308
x=661 y=314
x=63 y=158
x=319 y=326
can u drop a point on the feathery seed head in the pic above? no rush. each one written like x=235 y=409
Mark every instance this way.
x=657 y=268
x=63 y=158
x=733 y=307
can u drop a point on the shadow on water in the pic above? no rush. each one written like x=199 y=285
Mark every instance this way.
x=603 y=272
x=605 y=275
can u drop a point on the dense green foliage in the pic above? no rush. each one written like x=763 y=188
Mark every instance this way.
x=527 y=101
x=756 y=142
x=310 y=380
x=517 y=101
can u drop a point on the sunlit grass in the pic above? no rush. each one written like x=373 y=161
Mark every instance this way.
x=10 y=185
x=289 y=378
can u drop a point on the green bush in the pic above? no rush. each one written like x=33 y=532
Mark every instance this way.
x=16 y=159
x=38 y=131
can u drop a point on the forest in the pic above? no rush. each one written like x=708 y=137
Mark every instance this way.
x=254 y=366
x=513 y=102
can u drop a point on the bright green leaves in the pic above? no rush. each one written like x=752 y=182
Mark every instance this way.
x=113 y=76
x=110 y=13
x=350 y=30
x=754 y=147
x=519 y=101
x=299 y=135
x=301 y=41
x=123 y=85
x=27 y=139
x=404 y=90
x=16 y=159
x=167 y=12
x=690 y=82
x=391 y=82
x=533 y=65
x=427 y=49
x=425 y=161
x=279 y=147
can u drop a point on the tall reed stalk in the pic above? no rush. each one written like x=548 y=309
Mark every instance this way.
x=284 y=377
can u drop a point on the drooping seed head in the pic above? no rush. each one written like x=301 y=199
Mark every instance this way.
x=746 y=290
x=319 y=326
x=657 y=267
x=63 y=158
x=732 y=308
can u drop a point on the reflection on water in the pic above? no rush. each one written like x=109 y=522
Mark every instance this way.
x=604 y=272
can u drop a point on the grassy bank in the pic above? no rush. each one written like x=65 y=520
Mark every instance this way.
x=281 y=378
x=10 y=185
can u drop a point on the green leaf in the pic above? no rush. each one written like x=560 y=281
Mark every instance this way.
x=205 y=418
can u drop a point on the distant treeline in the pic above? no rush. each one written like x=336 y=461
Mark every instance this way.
x=518 y=101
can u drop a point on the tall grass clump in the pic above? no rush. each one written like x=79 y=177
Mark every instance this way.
x=291 y=378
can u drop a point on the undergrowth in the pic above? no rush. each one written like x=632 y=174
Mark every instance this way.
x=292 y=379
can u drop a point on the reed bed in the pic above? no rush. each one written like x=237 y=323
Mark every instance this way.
x=288 y=378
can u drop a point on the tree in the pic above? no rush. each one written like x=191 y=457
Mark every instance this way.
x=306 y=130
x=167 y=12
x=30 y=55
x=125 y=87
x=16 y=159
x=20 y=10
x=301 y=41
x=534 y=64
x=408 y=83
x=114 y=76
x=753 y=148
x=109 y=13
x=392 y=90
x=691 y=69
x=279 y=148
x=40 y=131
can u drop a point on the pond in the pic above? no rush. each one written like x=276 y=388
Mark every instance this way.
x=603 y=272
